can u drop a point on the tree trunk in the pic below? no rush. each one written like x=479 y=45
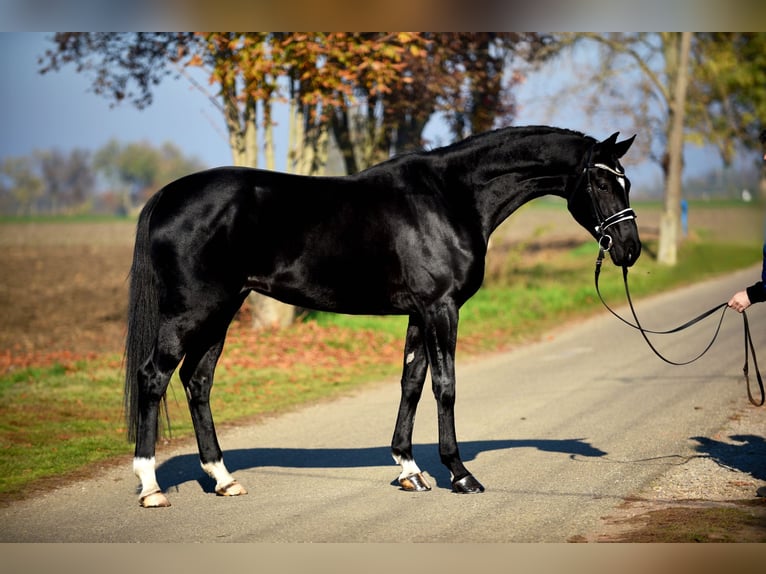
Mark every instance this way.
x=294 y=132
x=307 y=143
x=268 y=138
x=342 y=131
x=243 y=139
x=670 y=220
x=268 y=312
x=250 y=136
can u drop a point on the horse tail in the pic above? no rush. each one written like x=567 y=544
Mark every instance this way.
x=143 y=316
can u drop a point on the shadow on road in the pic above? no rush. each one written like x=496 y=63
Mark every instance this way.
x=180 y=469
x=749 y=455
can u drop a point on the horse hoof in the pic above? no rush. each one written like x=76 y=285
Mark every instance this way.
x=231 y=489
x=154 y=500
x=467 y=485
x=414 y=483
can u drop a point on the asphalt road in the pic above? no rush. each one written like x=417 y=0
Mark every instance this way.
x=559 y=432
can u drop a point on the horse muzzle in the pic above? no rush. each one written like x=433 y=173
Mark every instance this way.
x=624 y=253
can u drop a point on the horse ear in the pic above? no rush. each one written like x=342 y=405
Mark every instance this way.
x=621 y=148
x=611 y=140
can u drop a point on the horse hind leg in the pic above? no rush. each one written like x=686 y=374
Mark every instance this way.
x=197 y=377
x=175 y=339
x=413 y=377
x=153 y=379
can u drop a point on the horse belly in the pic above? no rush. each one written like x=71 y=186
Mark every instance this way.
x=335 y=285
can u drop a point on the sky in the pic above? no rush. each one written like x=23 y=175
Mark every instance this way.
x=57 y=110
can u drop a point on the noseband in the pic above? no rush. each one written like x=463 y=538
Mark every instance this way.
x=627 y=214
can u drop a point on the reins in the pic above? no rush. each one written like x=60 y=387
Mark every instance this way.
x=605 y=244
x=749 y=347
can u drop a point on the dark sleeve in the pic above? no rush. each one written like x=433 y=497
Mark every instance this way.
x=757 y=292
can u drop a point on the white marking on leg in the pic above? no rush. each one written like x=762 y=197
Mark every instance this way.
x=409 y=467
x=144 y=470
x=410 y=357
x=217 y=471
x=151 y=494
x=225 y=483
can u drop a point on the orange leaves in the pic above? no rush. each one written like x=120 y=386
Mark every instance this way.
x=333 y=68
x=195 y=61
x=13 y=360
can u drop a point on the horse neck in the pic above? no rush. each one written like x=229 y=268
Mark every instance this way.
x=509 y=168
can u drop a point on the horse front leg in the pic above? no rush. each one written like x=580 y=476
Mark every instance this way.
x=197 y=377
x=440 y=342
x=413 y=377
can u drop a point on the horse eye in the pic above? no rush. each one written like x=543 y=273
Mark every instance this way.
x=602 y=187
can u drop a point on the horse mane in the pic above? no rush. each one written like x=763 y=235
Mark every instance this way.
x=498 y=133
x=517 y=131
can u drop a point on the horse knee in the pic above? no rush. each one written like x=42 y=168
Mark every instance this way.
x=151 y=384
x=445 y=396
x=197 y=388
x=198 y=392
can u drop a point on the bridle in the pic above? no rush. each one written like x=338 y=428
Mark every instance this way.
x=605 y=222
x=605 y=244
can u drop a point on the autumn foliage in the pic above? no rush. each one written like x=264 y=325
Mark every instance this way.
x=374 y=92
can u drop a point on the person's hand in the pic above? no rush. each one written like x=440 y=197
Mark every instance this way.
x=740 y=301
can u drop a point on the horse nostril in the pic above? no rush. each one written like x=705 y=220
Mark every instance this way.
x=629 y=256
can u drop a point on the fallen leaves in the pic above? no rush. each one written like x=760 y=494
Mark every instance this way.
x=307 y=344
x=12 y=360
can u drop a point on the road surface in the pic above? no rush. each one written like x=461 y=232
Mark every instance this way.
x=559 y=432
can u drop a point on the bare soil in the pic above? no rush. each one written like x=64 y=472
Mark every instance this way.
x=63 y=289
x=63 y=292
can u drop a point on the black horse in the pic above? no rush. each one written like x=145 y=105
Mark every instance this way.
x=408 y=236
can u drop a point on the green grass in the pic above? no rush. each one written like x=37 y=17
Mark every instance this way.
x=57 y=418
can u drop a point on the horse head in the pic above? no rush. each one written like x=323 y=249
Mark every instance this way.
x=601 y=201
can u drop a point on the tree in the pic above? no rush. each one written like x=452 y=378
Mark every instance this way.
x=677 y=58
x=49 y=181
x=173 y=163
x=643 y=76
x=378 y=91
x=138 y=169
x=23 y=182
x=68 y=179
x=727 y=100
